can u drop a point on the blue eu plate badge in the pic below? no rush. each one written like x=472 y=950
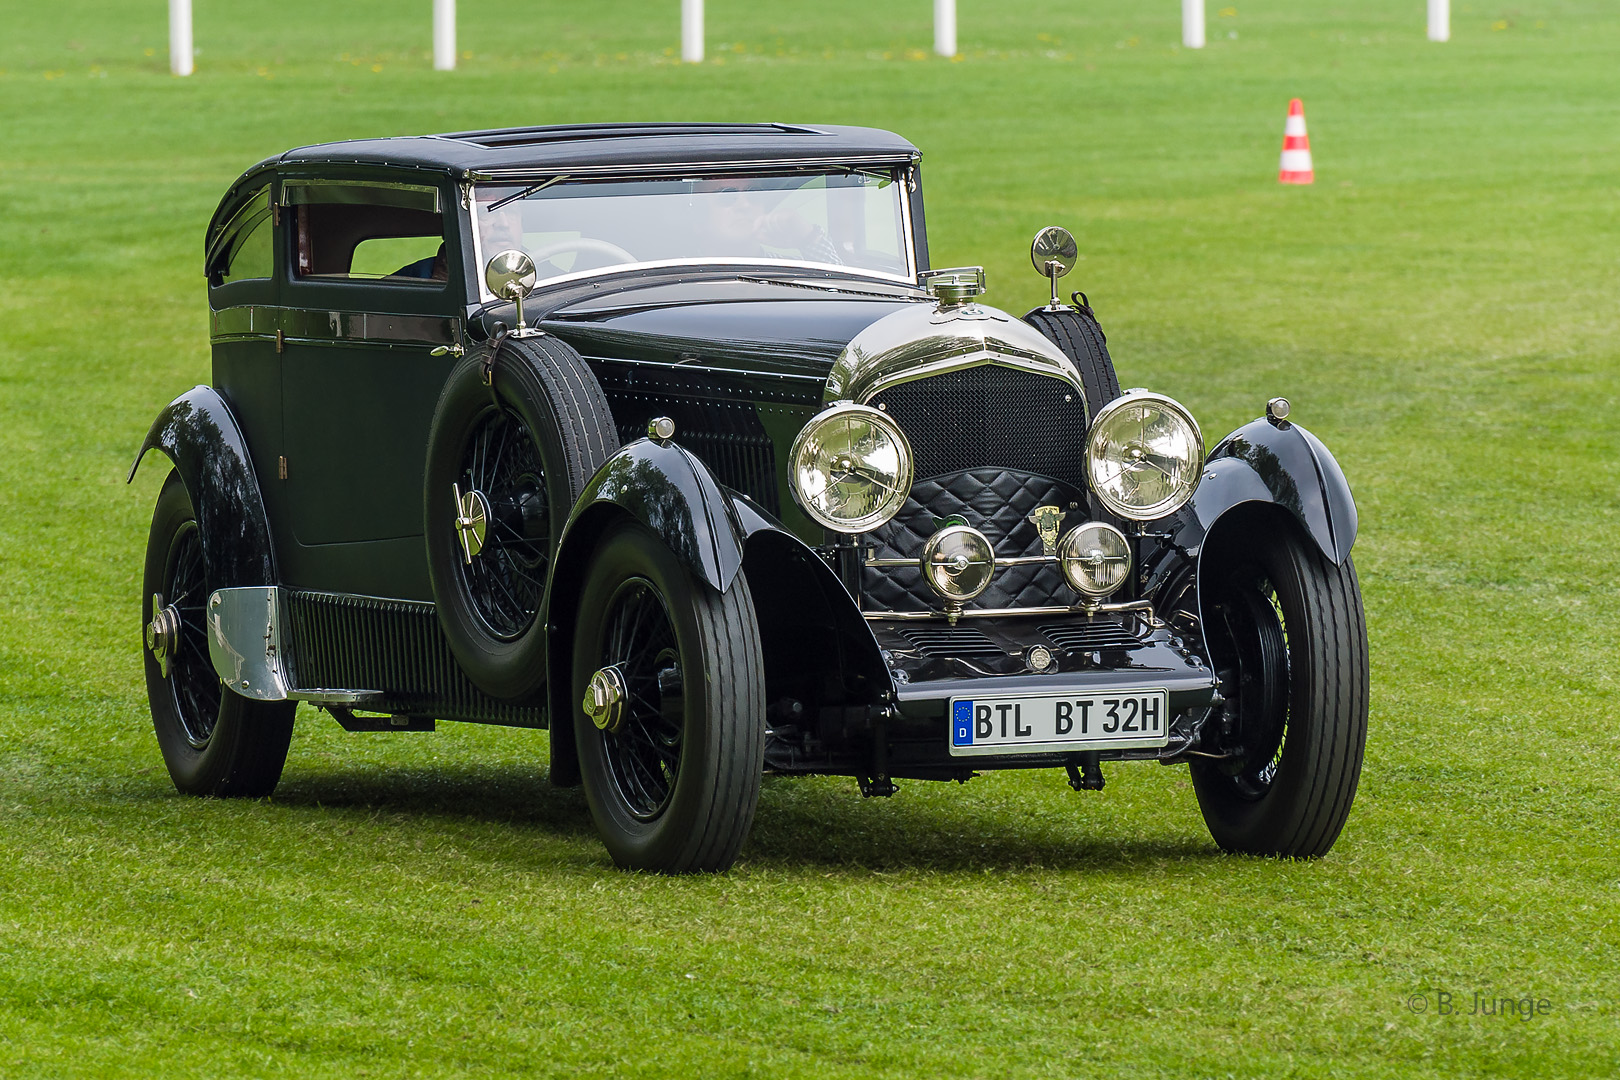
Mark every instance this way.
x=962 y=724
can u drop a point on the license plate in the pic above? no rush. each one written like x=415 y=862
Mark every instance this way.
x=1051 y=723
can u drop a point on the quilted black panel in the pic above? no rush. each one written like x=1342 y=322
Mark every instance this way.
x=998 y=503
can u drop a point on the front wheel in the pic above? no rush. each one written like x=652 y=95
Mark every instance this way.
x=671 y=708
x=1288 y=638
x=214 y=741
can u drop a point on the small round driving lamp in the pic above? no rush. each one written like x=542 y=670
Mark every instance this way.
x=1096 y=559
x=958 y=561
x=851 y=468
x=1144 y=455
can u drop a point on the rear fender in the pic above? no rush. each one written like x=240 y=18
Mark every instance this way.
x=199 y=435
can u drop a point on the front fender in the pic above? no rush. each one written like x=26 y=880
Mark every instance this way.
x=1282 y=464
x=199 y=435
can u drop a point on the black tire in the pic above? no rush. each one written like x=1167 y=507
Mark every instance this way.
x=1287 y=634
x=214 y=741
x=1077 y=332
x=534 y=435
x=674 y=788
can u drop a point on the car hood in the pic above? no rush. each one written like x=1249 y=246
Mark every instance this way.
x=754 y=325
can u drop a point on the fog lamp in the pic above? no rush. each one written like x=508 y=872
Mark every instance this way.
x=958 y=561
x=1096 y=559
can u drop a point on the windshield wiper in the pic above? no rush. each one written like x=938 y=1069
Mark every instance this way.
x=523 y=194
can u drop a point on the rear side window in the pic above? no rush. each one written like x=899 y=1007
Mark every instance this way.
x=366 y=232
x=244 y=250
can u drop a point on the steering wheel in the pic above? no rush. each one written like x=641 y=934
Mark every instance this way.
x=582 y=245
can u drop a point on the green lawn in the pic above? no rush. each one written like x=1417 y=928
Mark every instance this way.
x=1442 y=306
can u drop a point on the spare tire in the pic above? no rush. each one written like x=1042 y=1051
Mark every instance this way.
x=514 y=439
x=1076 y=331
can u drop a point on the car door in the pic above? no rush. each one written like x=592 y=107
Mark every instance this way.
x=371 y=294
x=242 y=324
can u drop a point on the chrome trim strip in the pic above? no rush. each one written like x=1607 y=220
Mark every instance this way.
x=1143 y=607
x=659 y=264
x=1000 y=561
x=337 y=697
x=291 y=183
x=325 y=327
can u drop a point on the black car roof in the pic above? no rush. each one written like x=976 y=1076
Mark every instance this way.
x=594 y=147
x=590 y=149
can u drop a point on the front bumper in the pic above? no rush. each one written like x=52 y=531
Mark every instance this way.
x=930 y=663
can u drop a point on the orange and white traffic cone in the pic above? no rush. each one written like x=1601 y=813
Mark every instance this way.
x=1296 y=151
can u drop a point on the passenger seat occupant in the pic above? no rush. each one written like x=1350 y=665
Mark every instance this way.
x=433 y=269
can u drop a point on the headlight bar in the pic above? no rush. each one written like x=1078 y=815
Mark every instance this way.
x=954 y=608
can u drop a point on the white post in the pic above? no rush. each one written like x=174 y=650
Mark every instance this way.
x=692 y=31
x=444 y=35
x=945 y=27
x=1439 y=20
x=1192 y=23
x=180 y=58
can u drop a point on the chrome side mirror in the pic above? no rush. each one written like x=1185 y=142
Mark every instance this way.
x=1054 y=253
x=511 y=276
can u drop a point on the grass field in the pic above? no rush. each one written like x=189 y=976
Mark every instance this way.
x=1443 y=307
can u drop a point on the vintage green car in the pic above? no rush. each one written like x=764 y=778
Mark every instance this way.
x=666 y=437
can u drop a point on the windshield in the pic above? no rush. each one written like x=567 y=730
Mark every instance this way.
x=835 y=220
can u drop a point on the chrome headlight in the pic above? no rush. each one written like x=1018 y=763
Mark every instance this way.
x=958 y=561
x=1096 y=559
x=851 y=468
x=1144 y=455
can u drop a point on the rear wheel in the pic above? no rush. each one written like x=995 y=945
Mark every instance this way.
x=1288 y=638
x=670 y=720
x=214 y=741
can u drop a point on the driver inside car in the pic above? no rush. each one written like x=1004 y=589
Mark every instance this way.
x=742 y=216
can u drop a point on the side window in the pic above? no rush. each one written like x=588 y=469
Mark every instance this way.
x=366 y=232
x=245 y=250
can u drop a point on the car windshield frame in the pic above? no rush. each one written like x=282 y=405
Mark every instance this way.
x=506 y=195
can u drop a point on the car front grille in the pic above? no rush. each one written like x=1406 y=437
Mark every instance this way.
x=950 y=641
x=992 y=417
x=991 y=444
x=1091 y=637
x=393 y=646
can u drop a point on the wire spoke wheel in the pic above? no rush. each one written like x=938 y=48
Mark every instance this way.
x=669 y=706
x=506 y=578
x=192 y=680
x=1248 y=642
x=644 y=753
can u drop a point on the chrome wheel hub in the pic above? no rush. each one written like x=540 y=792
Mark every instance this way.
x=604 y=699
x=163 y=633
x=472 y=521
